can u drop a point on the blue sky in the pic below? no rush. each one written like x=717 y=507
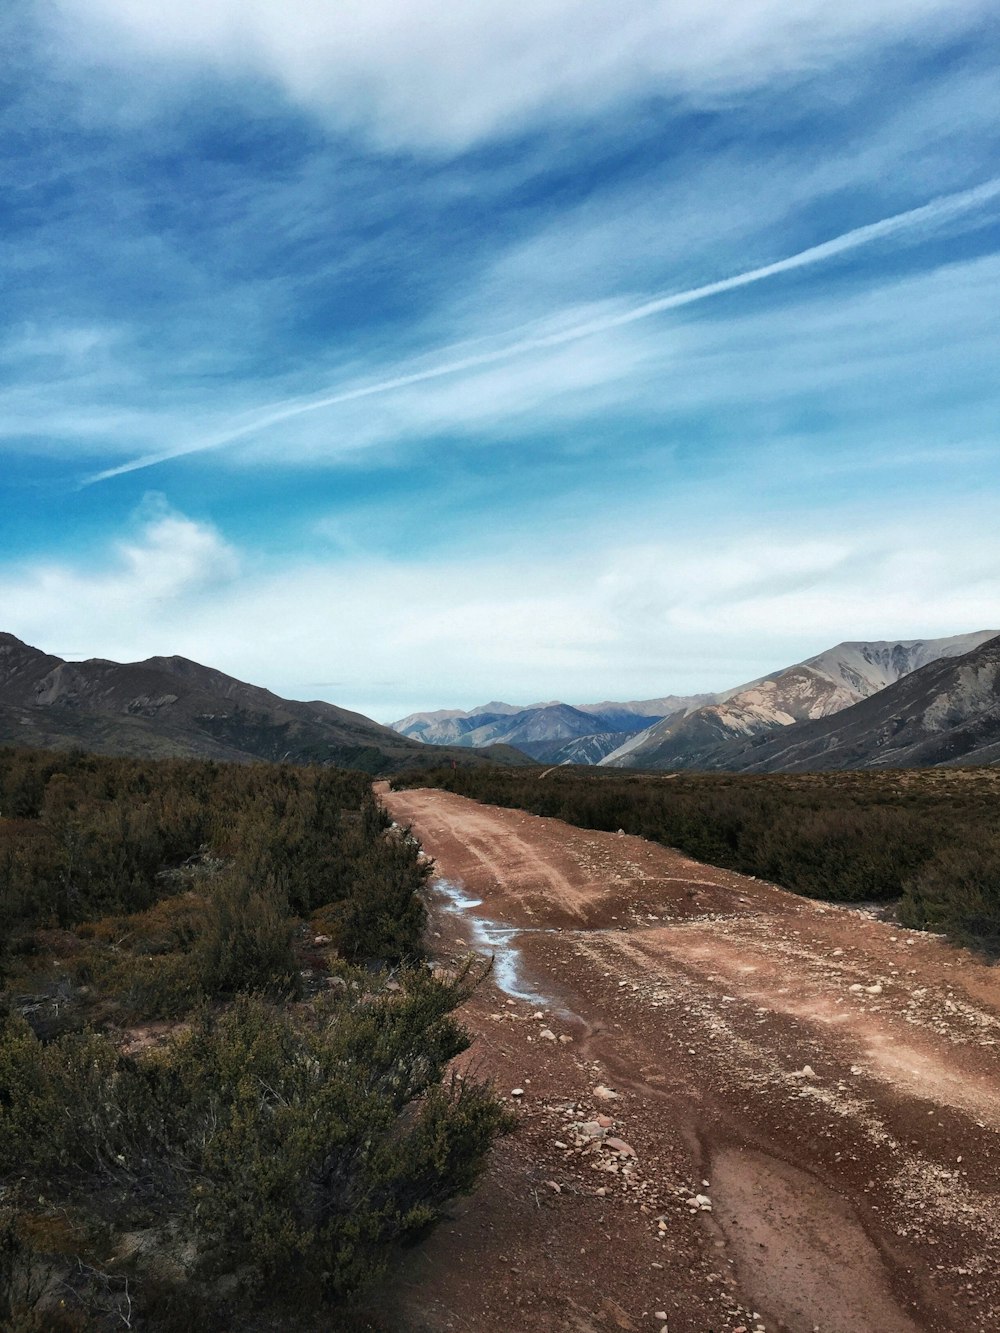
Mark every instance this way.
x=393 y=355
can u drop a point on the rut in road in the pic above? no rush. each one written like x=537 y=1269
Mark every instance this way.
x=835 y=1079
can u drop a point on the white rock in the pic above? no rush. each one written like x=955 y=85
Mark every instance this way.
x=517 y=1092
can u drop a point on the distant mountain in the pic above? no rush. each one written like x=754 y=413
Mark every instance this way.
x=169 y=706
x=589 y=749
x=817 y=688
x=542 y=729
x=647 y=708
x=943 y=713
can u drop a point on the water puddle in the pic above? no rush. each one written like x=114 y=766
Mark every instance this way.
x=491 y=937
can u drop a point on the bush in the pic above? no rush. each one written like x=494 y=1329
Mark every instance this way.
x=298 y=1147
x=245 y=939
x=958 y=892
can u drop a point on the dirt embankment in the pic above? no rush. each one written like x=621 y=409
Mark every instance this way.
x=740 y=1110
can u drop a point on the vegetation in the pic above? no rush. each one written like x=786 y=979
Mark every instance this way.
x=929 y=840
x=223 y=1064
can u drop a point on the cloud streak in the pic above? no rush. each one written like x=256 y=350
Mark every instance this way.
x=926 y=218
x=414 y=73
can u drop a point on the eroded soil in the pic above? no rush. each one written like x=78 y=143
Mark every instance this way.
x=739 y=1110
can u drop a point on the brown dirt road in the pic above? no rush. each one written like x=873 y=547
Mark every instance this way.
x=806 y=1123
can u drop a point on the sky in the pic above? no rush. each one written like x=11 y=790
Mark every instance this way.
x=410 y=355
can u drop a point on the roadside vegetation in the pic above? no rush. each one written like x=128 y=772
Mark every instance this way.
x=926 y=840
x=224 y=1087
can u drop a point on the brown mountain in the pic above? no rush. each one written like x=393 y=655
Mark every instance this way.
x=944 y=713
x=170 y=706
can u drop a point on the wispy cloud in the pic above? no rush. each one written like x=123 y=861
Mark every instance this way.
x=935 y=214
x=418 y=73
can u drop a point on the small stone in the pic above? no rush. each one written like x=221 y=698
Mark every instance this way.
x=857 y=988
x=547 y=1034
x=619 y=1146
x=321 y=939
x=660 y=1314
x=604 y=1094
x=554 y=1186
x=605 y=1121
x=539 y=1017
x=517 y=1092
x=564 y=1039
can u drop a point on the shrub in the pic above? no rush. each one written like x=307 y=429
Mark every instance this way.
x=244 y=942
x=298 y=1146
x=958 y=892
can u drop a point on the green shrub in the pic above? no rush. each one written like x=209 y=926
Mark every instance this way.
x=244 y=942
x=298 y=1146
x=958 y=892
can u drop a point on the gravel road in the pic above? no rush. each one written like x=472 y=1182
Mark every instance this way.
x=739 y=1109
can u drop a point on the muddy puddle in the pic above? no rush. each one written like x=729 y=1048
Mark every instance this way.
x=492 y=938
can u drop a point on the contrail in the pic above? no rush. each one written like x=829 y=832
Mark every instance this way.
x=938 y=211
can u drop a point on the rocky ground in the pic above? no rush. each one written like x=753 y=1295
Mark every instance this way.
x=739 y=1110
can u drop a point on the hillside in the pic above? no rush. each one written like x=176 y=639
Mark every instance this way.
x=544 y=729
x=947 y=712
x=817 y=688
x=173 y=707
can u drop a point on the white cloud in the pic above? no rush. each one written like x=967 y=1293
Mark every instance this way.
x=416 y=72
x=703 y=608
x=148 y=579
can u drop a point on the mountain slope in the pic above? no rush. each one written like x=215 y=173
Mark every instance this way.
x=819 y=687
x=543 y=727
x=172 y=706
x=947 y=712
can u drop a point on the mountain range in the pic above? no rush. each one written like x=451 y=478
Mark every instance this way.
x=821 y=686
x=173 y=707
x=943 y=714
x=858 y=705
x=724 y=730
x=550 y=732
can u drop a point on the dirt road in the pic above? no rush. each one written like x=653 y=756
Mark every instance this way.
x=739 y=1110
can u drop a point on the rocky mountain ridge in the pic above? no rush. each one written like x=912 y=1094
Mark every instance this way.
x=171 y=706
x=946 y=712
x=823 y=685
